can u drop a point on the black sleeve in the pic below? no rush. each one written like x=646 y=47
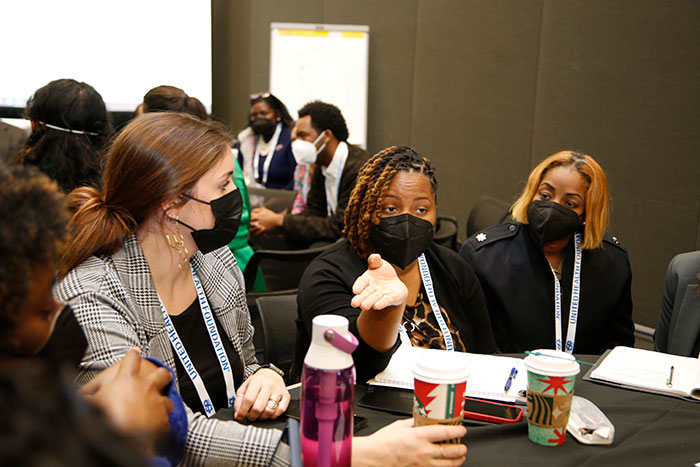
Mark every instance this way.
x=326 y=288
x=476 y=312
x=467 y=254
x=67 y=344
x=478 y=316
x=621 y=329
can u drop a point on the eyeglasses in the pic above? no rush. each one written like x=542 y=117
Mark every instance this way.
x=259 y=95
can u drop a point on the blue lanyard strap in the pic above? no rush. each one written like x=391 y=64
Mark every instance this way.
x=215 y=338
x=575 y=301
x=430 y=291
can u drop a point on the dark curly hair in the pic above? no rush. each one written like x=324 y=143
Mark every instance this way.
x=33 y=226
x=72 y=159
x=275 y=104
x=372 y=184
x=326 y=117
x=172 y=99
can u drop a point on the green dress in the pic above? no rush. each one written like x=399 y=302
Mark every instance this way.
x=239 y=245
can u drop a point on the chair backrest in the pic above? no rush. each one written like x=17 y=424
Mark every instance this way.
x=446 y=232
x=282 y=269
x=271 y=198
x=277 y=315
x=487 y=211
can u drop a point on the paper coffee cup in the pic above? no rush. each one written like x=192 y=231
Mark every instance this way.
x=550 y=391
x=438 y=394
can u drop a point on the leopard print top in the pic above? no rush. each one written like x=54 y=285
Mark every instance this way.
x=423 y=329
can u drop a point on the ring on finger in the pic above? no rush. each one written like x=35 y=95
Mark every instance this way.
x=442 y=454
x=273 y=402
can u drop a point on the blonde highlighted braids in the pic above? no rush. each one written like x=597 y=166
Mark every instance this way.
x=372 y=184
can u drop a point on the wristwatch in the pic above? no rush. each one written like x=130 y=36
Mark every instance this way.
x=272 y=367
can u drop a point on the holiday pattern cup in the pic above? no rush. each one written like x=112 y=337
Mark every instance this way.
x=438 y=394
x=550 y=390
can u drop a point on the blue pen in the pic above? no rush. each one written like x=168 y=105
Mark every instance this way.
x=511 y=377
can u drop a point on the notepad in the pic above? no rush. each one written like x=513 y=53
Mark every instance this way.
x=649 y=371
x=487 y=373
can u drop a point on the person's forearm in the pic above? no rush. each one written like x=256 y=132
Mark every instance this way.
x=378 y=328
x=363 y=454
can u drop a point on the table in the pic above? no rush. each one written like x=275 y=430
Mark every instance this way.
x=650 y=430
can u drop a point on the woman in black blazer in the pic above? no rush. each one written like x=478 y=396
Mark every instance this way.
x=538 y=294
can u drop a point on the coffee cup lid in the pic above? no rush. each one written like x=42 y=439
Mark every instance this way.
x=446 y=369
x=552 y=362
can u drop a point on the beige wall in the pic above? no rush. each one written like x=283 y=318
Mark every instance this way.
x=487 y=89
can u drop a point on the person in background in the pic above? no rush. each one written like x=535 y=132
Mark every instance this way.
x=35 y=395
x=382 y=276
x=265 y=146
x=70 y=127
x=172 y=99
x=555 y=278
x=678 y=331
x=321 y=139
x=11 y=139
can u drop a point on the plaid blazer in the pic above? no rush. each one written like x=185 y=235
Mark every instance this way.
x=116 y=303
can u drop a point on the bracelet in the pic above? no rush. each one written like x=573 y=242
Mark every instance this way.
x=270 y=366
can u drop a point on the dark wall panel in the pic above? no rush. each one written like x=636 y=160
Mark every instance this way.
x=230 y=58
x=392 y=25
x=473 y=100
x=621 y=83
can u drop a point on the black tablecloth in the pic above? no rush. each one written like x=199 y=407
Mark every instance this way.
x=649 y=430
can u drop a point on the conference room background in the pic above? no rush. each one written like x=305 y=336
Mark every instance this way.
x=487 y=89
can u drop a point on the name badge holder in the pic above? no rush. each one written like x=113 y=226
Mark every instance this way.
x=575 y=300
x=215 y=338
x=430 y=291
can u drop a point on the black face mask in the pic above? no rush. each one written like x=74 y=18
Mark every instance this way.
x=227 y=212
x=550 y=221
x=401 y=239
x=263 y=127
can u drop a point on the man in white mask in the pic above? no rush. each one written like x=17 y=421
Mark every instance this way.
x=321 y=139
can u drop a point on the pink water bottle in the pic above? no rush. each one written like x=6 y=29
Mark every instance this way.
x=328 y=394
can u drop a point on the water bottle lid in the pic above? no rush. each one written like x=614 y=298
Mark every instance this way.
x=322 y=354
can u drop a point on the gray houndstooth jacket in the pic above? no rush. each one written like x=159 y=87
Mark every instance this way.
x=115 y=301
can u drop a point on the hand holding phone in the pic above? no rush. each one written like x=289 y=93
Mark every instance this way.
x=490 y=411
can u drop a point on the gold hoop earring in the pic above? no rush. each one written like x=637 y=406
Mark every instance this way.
x=177 y=242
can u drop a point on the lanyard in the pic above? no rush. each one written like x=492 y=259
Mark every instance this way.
x=268 y=159
x=575 y=296
x=430 y=291
x=215 y=341
x=331 y=207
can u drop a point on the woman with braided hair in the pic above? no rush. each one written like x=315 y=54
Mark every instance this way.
x=383 y=276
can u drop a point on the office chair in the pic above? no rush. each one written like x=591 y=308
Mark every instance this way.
x=277 y=321
x=487 y=211
x=446 y=232
x=282 y=269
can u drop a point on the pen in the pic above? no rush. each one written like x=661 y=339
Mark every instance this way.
x=669 y=380
x=511 y=377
